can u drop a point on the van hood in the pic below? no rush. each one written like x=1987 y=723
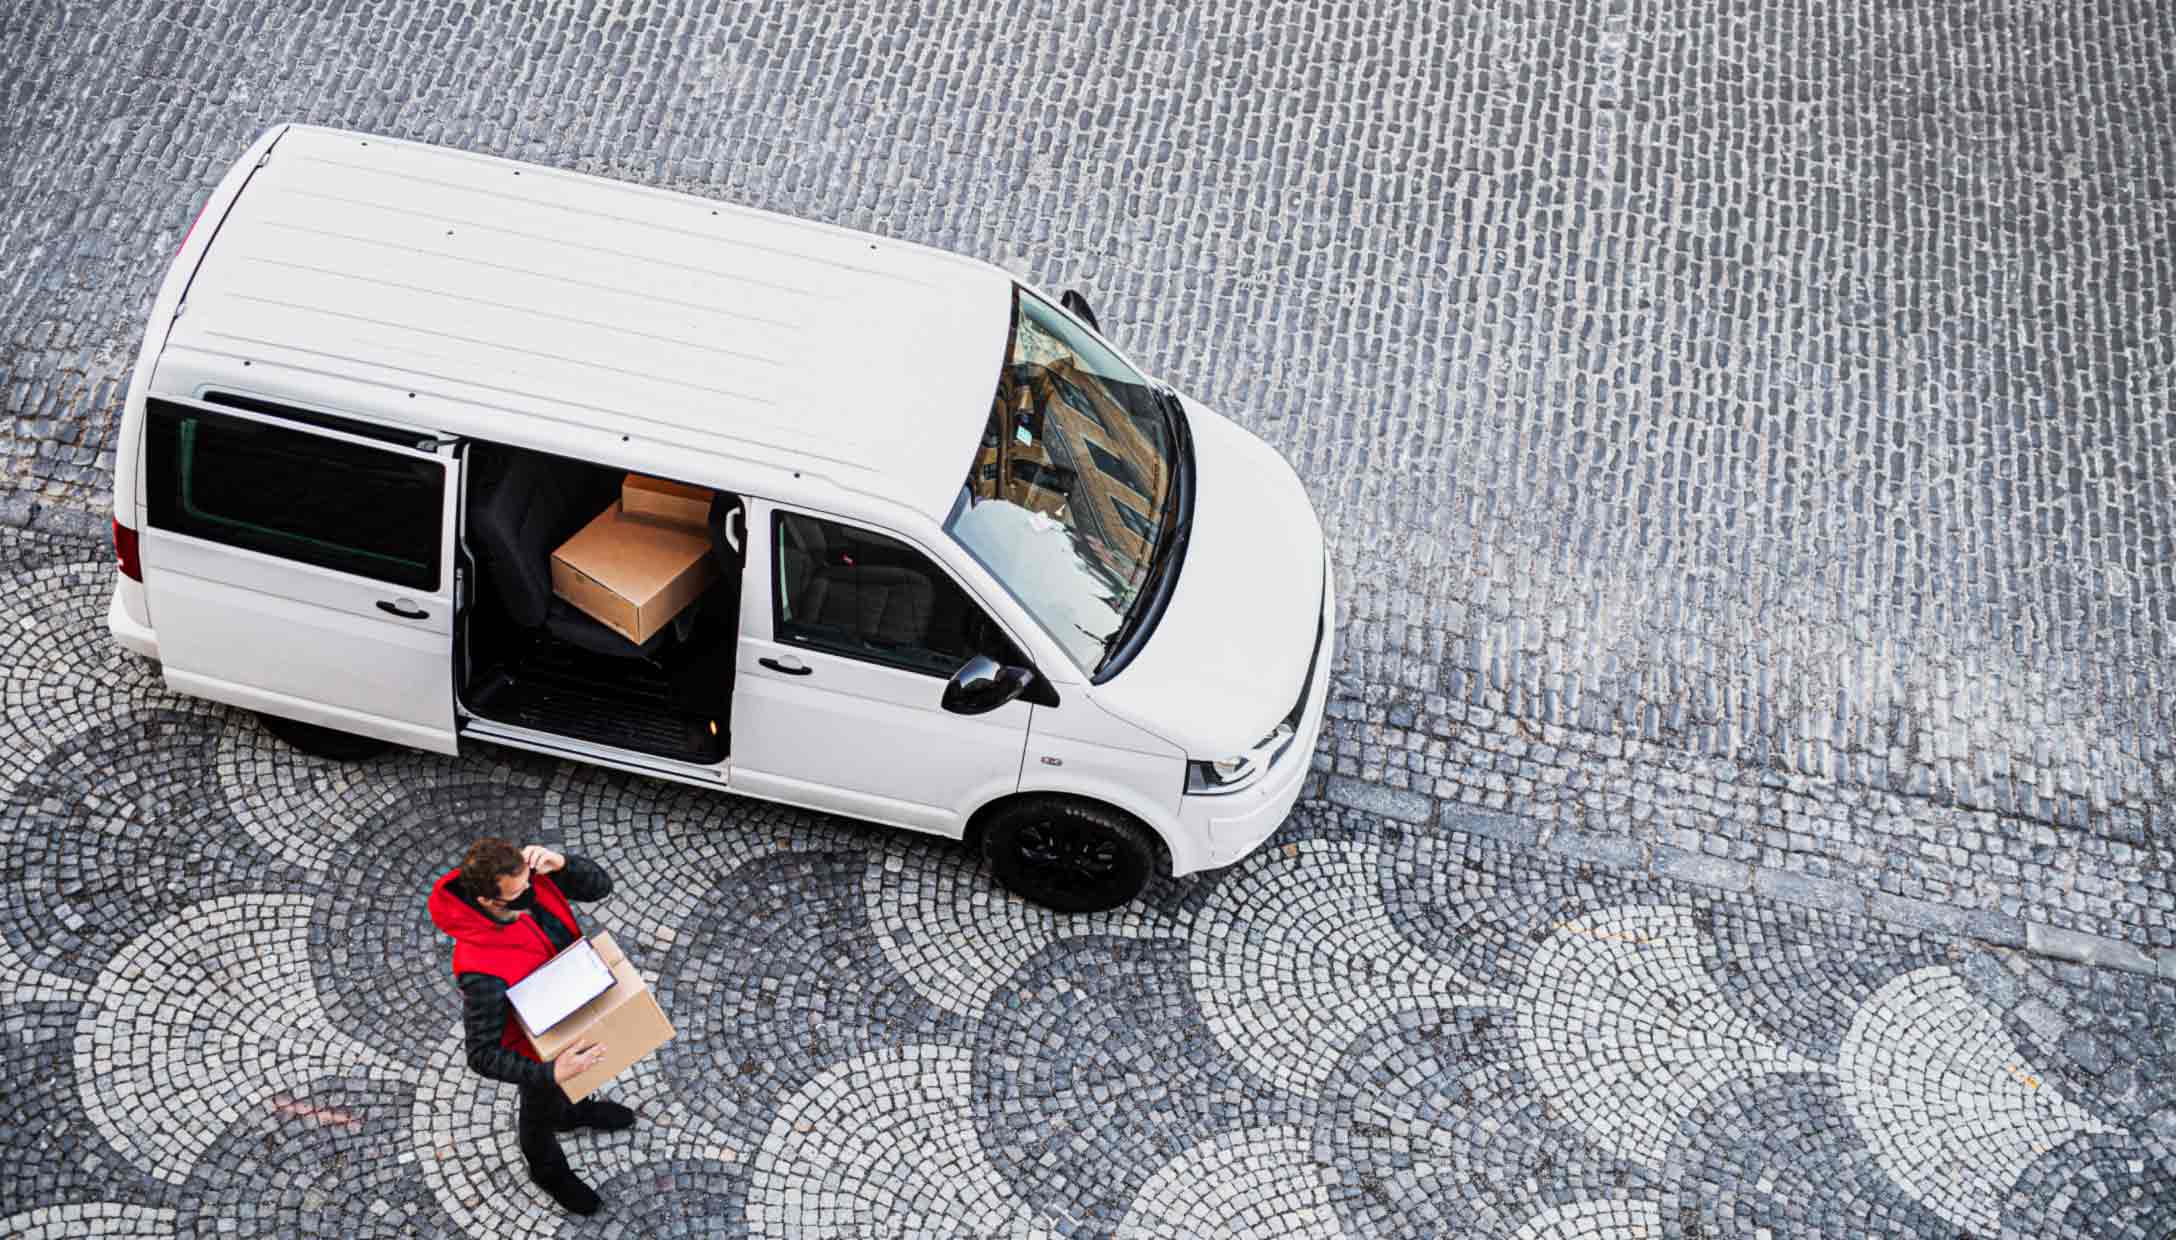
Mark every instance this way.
x=1230 y=655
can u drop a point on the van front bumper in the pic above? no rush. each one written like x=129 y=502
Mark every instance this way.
x=1235 y=823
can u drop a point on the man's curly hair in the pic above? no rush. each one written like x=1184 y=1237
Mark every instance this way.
x=489 y=860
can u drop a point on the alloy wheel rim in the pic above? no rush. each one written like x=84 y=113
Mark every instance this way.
x=1052 y=853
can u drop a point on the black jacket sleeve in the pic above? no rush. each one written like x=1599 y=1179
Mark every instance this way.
x=583 y=879
x=484 y=1013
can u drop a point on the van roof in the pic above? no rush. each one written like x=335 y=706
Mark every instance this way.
x=556 y=310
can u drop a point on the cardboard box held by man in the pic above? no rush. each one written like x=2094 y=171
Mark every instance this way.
x=618 y=1013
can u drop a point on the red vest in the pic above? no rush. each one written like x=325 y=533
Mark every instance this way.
x=507 y=950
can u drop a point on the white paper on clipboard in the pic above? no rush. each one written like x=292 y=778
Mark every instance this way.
x=559 y=986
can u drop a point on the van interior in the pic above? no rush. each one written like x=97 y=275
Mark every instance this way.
x=531 y=659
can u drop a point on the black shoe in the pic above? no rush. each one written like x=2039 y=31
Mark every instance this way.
x=598 y=1114
x=567 y=1189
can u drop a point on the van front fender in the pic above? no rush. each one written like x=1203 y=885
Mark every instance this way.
x=1185 y=854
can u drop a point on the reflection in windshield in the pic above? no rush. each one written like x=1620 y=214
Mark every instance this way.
x=1067 y=494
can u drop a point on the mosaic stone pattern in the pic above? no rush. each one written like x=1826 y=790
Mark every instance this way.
x=1364 y=1029
x=1744 y=437
x=1741 y=430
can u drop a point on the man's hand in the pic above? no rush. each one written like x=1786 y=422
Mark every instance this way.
x=575 y=1060
x=542 y=860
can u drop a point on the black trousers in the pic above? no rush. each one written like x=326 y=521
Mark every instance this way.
x=545 y=1113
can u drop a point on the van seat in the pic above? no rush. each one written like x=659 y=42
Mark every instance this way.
x=530 y=504
x=877 y=602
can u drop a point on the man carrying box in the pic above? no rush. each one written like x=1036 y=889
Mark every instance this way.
x=507 y=911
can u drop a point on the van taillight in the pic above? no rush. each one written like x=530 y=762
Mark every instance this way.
x=124 y=551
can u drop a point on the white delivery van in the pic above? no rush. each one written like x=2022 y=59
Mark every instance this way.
x=966 y=568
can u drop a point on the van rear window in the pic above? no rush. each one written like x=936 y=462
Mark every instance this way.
x=294 y=494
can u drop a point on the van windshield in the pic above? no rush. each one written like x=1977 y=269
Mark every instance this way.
x=1070 y=493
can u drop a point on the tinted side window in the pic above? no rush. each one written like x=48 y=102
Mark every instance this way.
x=851 y=592
x=310 y=417
x=294 y=494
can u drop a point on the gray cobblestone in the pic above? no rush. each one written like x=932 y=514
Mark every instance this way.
x=1379 y=799
x=1504 y=828
x=2088 y=949
x=1610 y=850
x=1809 y=891
x=1946 y=919
x=1743 y=437
x=1703 y=870
x=1874 y=636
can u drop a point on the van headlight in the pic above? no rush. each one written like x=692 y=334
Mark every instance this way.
x=1223 y=775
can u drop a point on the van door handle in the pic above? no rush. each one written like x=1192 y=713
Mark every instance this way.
x=404 y=613
x=795 y=668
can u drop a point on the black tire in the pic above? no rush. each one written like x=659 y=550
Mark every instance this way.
x=323 y=742
x=1068 y=855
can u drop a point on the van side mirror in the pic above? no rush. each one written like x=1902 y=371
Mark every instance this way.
x=981 y=686
x=1077 y=306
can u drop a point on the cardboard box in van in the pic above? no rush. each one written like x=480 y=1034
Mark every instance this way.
x=674 y=503
x=633 y=575
x=626 y=1018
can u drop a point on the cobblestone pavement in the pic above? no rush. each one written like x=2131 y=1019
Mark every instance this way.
x=224 y=1009
x=1745 y=437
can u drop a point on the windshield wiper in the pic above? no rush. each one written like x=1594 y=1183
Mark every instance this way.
x=1124 y=632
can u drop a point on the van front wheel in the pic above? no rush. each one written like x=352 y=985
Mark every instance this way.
x=323 y=742
x=1072 y=856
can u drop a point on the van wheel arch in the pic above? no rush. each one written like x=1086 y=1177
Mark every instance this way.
x=975 y=827
x=972 y=839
